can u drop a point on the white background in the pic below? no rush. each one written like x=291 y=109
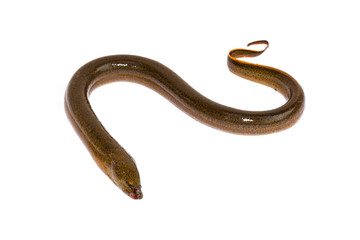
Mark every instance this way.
x=198 y=182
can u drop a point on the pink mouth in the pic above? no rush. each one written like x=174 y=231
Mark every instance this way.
x=137 y=193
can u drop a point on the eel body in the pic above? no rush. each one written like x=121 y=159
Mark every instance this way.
x=111 y=157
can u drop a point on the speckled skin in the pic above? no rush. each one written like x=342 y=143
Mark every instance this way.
x=115 y=162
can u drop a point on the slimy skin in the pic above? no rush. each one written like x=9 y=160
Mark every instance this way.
x=116 y=163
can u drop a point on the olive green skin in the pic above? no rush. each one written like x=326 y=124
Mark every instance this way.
x=115 y=162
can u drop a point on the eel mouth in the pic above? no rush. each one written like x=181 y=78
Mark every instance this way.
x=136 y=192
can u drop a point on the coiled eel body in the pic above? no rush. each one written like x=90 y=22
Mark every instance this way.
x=116 y=163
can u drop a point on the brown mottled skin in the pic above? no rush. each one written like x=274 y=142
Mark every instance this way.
x=116 y=163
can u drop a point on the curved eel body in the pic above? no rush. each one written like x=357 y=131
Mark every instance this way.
x=116 y=163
